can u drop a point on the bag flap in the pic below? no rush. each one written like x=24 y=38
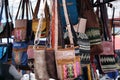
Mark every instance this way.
x=65 y=54
x=107 y=48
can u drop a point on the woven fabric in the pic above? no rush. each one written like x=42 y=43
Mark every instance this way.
x=84 y=48
x=94 y=35
x=20 y=31
x=68 y=66
x=83 y=42
x=107 y=63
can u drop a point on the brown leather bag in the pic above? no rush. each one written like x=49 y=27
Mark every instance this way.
x=51 y=63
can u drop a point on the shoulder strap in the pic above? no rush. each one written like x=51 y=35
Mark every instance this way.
x=67 y=22
x=1 y=11
x=56 y=24
x=36 y=9
x=6 y=9
x=38 y=33
x=21 y=1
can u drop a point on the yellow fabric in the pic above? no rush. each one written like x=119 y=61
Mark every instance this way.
x=35 y=25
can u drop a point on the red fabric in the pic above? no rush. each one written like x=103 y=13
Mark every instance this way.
x=53 y=27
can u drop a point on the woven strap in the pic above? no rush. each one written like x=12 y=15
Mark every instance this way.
x=38 y=33
x=56 y=25
x=67 y=22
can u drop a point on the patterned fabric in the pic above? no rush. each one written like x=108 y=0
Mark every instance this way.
x=20 y=34
x=83 y=42
x=68 y=71
x=107 y=63
x=84 y=48
x=68 y=65
x=94 y=35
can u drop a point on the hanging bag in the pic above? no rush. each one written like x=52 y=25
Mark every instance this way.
x=92 y=28
x=22 y=24
x=83 y=49
x=19 y=53
x=39 y=52
x=106 y=59
x=68 y=66
x=45 y=23
x=6 y=28
x=72 y=9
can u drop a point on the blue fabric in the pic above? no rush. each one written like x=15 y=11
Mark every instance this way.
x=5 y=58
x=1 y=54
x=3 y=50
x=23 y=58
x=113 y=75
x=23 y=55
x=19 y=45
x=72 y=12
